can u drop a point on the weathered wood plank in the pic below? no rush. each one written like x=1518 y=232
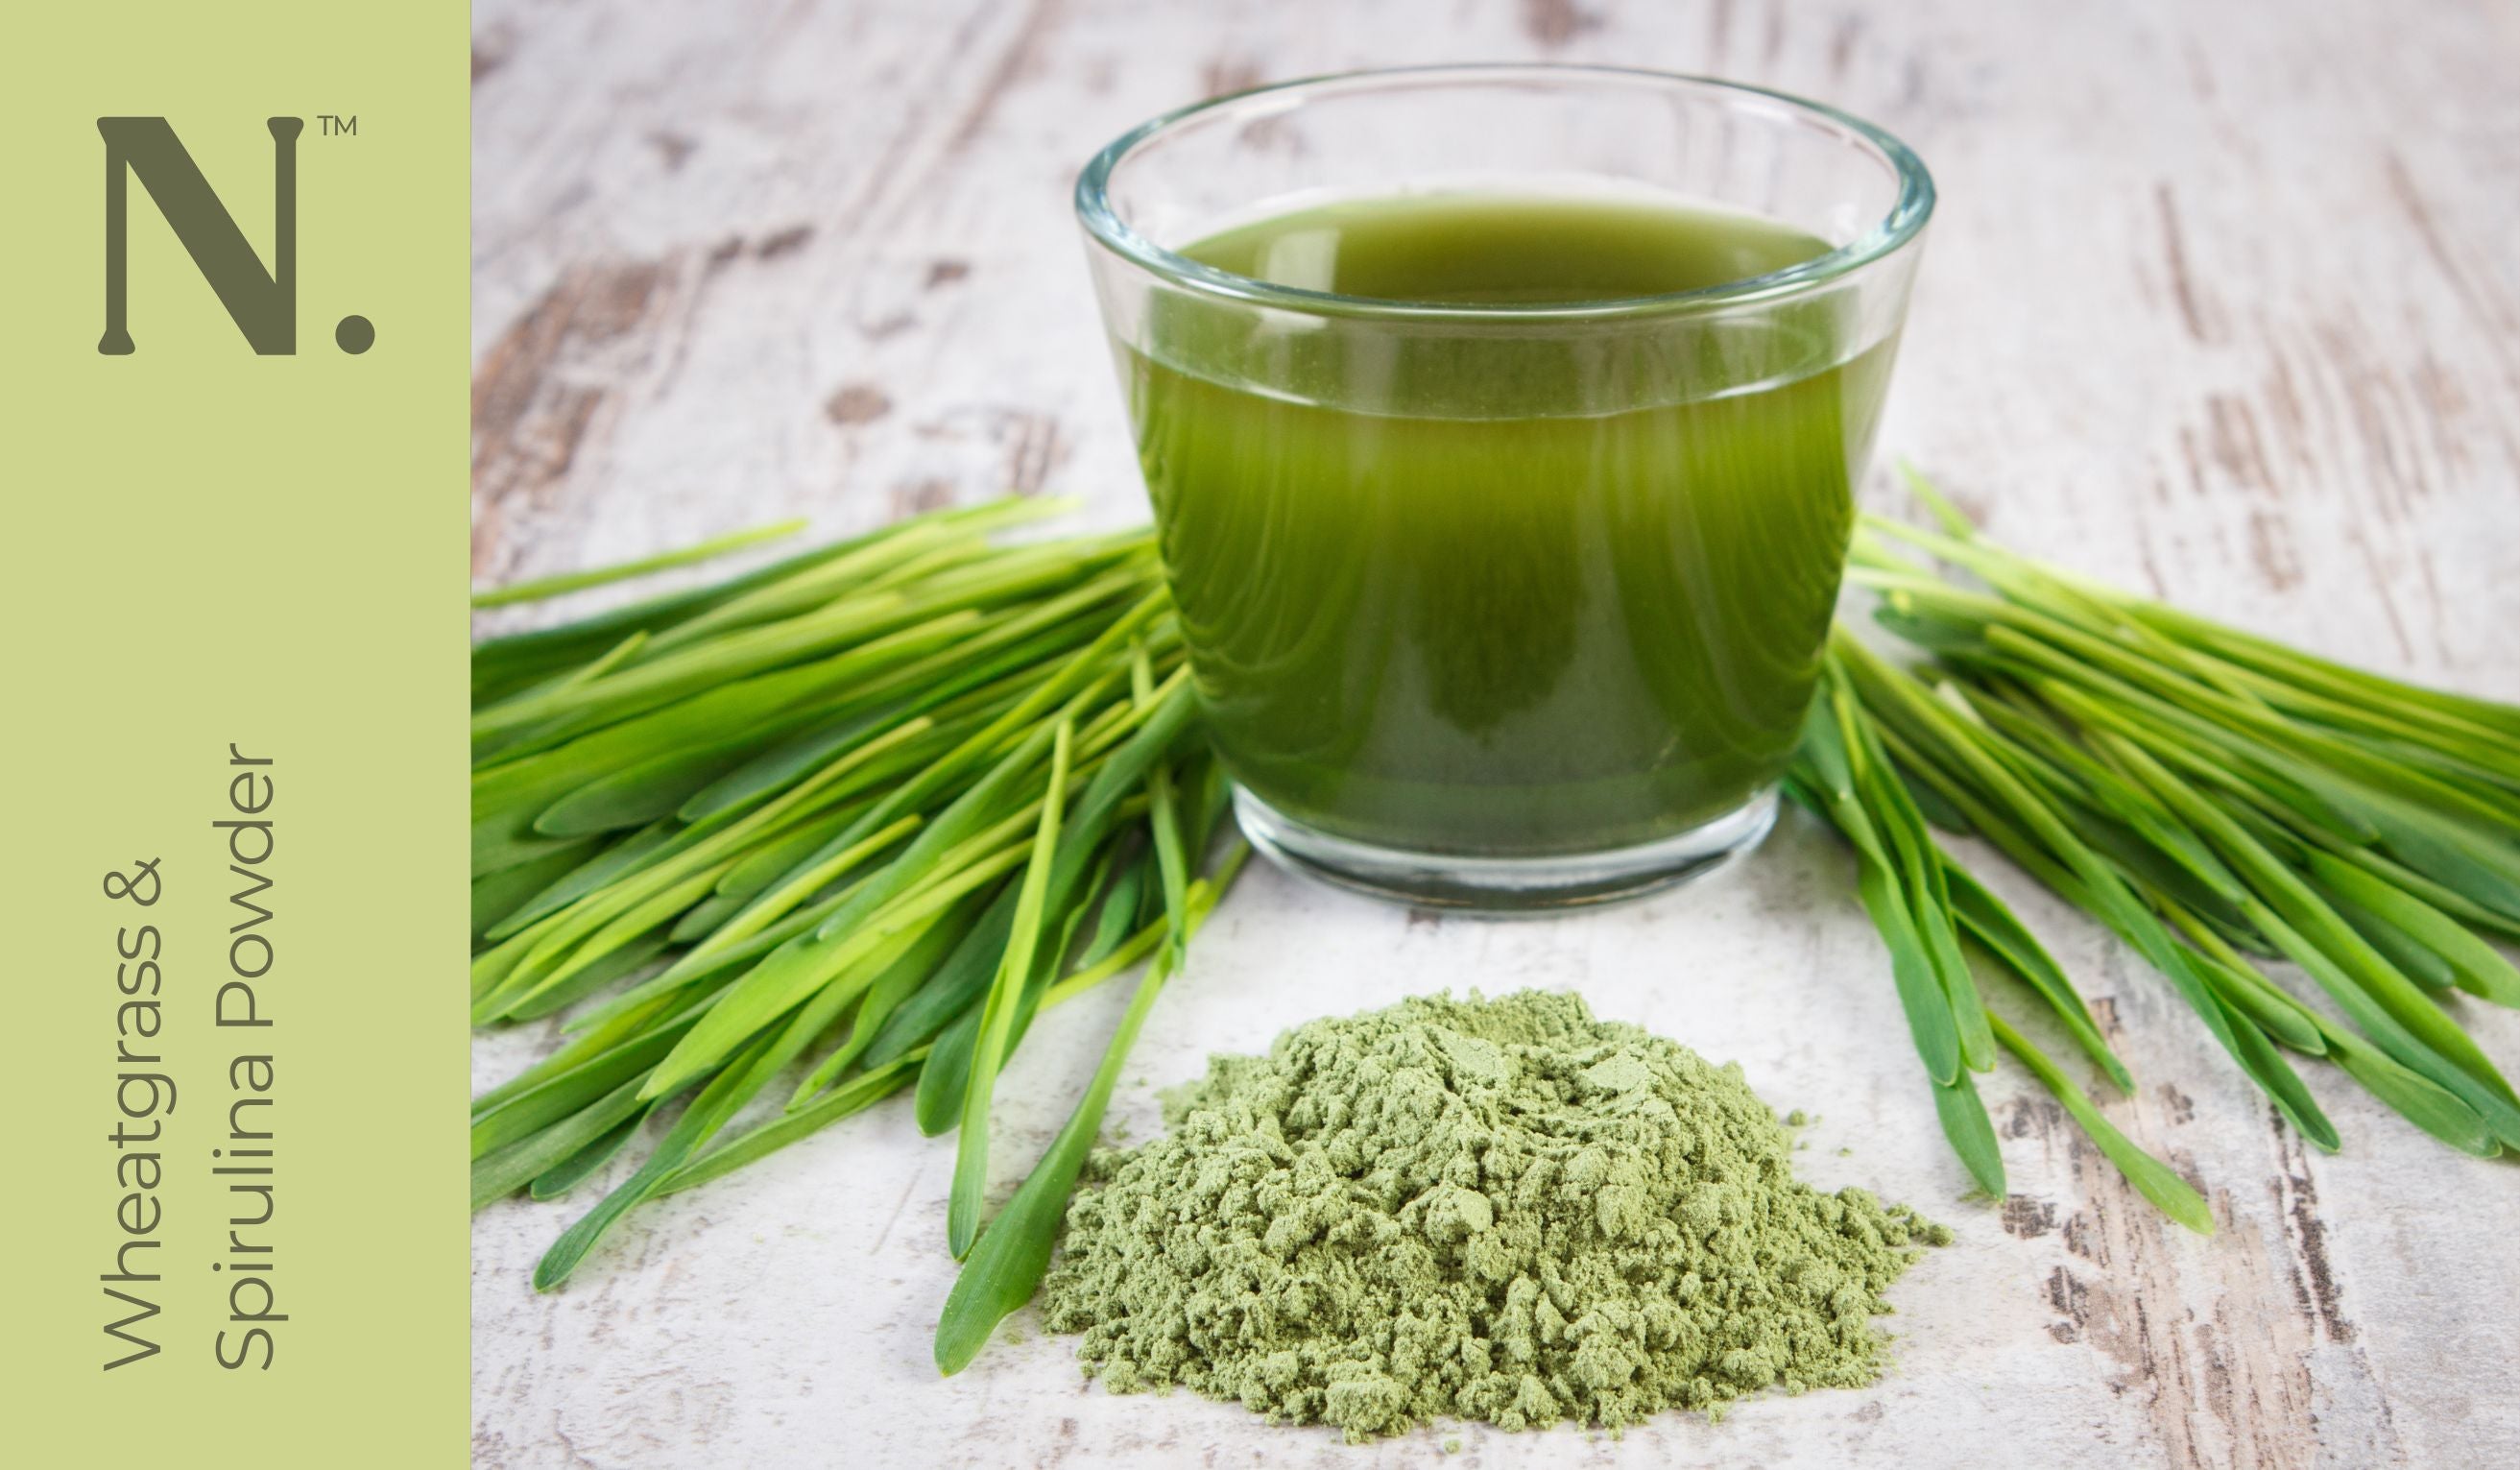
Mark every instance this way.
x=2220 y=303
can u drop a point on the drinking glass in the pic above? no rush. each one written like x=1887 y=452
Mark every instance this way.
x=1503 y=605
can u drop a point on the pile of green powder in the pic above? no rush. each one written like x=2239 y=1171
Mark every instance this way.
x=1501 y=1210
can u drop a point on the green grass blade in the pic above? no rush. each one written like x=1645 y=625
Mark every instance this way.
x=796 y=970
x=2477 y=967
x=503 y=664
x=907 y=562
x=702 y=919
x=527 y=992
x=1106 y=797
x=2414 y=1097
x=2336 y=680
x=2450 y=901
x=2096 y=887
x=955 y=991
x=707 y=1114
x=1118 y=910
x=788 y=973
x=2325 y=781
x=573 y=1170
x=1172 y=867
x=941 y=1082
x=818 y=653
x=2276 y=1075
x=2384 y=1003
x=593 y=977
x=496 y=895
x=556 y=1096
x=1919 y=871
x=1921 y=992
x=1005 y=1265
x=1993 y=925
x=1827 y=772
x=1005 y=662
x=600 y=868
x=625 y=1025
x=1939 y=810
x=858 y=844
x=2153 y=1179
x=505 y=1170
x=2241 y=986
x=553 y=586
x=2421 y=1102
x=2398 y=947
x=779 y=856
x=1971 y=1133
x=745 y=1074
x=1951 y=517
x=717 y=970
x=916 y=966
x=2321 y=795
x=505 y=842
x=997 y=1014
x=853 y=1096
x=637 y=794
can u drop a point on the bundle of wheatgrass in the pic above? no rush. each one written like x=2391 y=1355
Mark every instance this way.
x=2213 y=797
x=787 y=844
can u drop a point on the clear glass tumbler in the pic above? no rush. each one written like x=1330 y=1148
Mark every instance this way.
x=1503 y=603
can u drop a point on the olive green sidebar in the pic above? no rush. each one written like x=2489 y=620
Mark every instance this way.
x=234 y=358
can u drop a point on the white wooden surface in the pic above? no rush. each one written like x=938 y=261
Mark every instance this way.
x=2221 y=303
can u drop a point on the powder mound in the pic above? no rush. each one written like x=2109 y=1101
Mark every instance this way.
x=1501 y=1210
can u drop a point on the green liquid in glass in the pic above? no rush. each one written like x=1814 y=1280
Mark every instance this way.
x=1503 y=590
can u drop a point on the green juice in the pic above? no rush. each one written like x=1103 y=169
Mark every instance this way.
x=1495 y=586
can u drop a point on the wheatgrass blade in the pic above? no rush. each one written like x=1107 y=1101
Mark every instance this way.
x=1825 y=777
x=853 y=1096
x=1918 y=870
x=1992 y=924
x=503 y=664
x=539 y=588
x=916 y=967
x=573 y=1170
x=702 y=1117
x=1003 y=1267
x=598 y=870
x=2048 y=842
x=505 y=1170
x=997 y=1014
x=941 y=1085
x=2153 y=1179
x=618 y=964
x=2476 y=966
x=502 y=893
x=747 y=1072
x=1970 y=1132
x=2398 y=1016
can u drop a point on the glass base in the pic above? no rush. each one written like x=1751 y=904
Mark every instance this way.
x=1504 y=884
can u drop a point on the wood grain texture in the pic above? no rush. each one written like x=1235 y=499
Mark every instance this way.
x=2220 y=303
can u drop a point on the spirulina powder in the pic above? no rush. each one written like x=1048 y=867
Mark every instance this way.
x=1503 y=1211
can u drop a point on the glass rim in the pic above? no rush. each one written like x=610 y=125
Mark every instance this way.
x=1895 y=229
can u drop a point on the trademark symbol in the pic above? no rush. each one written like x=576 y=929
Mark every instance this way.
x=354 y=334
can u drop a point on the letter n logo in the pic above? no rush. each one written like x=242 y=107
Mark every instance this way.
x=262 y=303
